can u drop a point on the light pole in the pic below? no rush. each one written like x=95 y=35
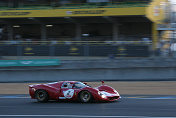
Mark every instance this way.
x=173 y=25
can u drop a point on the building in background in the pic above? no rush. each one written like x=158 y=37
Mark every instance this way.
x=65 y=21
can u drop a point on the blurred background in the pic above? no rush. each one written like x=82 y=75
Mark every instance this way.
x=106 y=28
x=130 y=32
x=129 y=43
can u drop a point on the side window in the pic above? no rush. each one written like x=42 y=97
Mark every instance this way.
x=64 y=85
x=67 y=85
x=77 y=85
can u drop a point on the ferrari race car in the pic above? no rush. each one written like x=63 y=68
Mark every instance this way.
x=72 y=91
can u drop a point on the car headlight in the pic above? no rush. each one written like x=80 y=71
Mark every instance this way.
x=116 y=92
x=101 y=94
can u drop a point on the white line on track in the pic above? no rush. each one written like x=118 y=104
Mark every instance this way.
x=152 y=98
x=81 y=116
x=157 y=98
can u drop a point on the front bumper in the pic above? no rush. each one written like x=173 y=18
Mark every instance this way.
x=111 y=98
x=105 y=96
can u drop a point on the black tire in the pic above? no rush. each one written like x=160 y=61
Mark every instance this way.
x=41 y=96
x=85 y=97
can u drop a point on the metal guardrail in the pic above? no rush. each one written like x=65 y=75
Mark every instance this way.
x=74 y=42
x=76 y=48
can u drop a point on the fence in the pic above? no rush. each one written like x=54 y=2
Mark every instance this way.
x=76 y=48
x=40 y=4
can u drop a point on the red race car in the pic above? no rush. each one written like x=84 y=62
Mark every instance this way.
x=72 y=91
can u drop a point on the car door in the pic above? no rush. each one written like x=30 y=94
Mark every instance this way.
x=67 y=92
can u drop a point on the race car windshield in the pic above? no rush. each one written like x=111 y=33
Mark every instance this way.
x=79 y=85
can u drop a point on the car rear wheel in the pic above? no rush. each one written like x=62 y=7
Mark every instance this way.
x=85 y=97
x=41 y=96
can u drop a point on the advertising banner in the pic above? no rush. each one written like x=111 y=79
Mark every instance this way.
x=72 y=12
x=36 y=62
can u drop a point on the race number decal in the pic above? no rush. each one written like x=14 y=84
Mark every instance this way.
x=68 y=93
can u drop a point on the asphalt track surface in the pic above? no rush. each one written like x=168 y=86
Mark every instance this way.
x=21 y=106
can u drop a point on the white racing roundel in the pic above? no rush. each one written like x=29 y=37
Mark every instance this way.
x=68 y=93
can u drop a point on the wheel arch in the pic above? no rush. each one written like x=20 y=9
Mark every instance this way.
x=87 y=91
x=105 y=88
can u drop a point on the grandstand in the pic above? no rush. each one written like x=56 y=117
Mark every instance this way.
x=75 y=28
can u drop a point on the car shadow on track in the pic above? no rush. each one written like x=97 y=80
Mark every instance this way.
x=73 y=102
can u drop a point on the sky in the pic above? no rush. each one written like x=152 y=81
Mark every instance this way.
x=174 y=6
x=173 y=1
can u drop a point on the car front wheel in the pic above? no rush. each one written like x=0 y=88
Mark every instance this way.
x=85 y=97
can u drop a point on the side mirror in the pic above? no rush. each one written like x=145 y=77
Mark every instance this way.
x=102 y=82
